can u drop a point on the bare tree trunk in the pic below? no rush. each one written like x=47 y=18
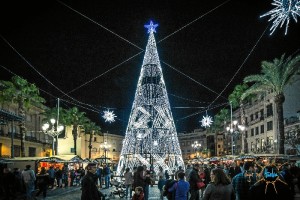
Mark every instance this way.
x=279 y=99
x=90 y=145
x=22 y=127
x=75 y=134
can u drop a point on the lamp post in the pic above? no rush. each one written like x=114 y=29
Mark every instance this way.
x=234 y=130
x=105 y=146
x=52 y=129
x=196 y=146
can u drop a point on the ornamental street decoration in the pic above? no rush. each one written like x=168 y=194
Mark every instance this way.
x=151 y=137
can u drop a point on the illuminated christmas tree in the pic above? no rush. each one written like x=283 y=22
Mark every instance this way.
x=151 y=137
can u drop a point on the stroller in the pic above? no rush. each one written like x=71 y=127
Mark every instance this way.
x=119 y=189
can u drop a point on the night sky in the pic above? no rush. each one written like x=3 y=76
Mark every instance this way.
x=206 y=40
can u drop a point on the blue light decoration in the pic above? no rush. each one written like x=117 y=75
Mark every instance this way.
x=270 y=174
x=151 y=27
x=285 y=9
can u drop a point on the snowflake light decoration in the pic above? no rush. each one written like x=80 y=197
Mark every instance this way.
x=109 y=116
x=285 y=9
x=206 y=121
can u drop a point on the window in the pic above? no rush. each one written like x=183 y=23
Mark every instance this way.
x=114 y=150
x=269 y=125
x=182 y=144
x=269 y=110
x=256 y=130
x=251 y=117
x=252 y=131
x=17 y=151
x=262 y=129
x=219 y=146
x=31 y=152
x=262 y=114
x=256 y=115
x=72 y=150
x=246 y=134
x=95 y=139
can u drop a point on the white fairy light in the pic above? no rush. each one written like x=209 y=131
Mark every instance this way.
x=285 y=9
x=109 y=116
x=151 y=137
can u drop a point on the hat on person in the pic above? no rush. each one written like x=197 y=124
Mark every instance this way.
x=90 y=165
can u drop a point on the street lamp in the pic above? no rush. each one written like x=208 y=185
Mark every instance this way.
x=196 y=146
x=234 y=130
x=52 y=129
x=105 y=146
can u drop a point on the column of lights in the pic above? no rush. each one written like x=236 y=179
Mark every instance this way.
x=196 y=146
x=105 y=146
x=235 y=129
x=52 y=129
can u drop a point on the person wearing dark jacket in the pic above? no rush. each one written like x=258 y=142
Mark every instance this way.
x=42 y=180
x=220 y=187
x=243 y=181
x=88 y=185
x=194 y=178
x=139 y=178
x=271 y=186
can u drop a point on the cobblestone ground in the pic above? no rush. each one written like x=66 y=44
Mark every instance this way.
x=74 y=193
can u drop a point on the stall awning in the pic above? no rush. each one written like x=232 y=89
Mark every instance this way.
x=63 y=158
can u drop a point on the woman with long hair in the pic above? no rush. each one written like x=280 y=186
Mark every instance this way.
x=220 y=187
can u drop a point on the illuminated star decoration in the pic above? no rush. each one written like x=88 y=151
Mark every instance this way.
x=151 y=27
x=206 y=121
x=109 y=116
x=285 y=9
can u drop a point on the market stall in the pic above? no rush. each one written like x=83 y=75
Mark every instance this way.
x=71 y=161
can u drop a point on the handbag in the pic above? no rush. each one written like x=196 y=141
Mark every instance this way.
x=200 y=185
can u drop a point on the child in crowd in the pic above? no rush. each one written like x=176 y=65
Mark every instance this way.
x=138 y=194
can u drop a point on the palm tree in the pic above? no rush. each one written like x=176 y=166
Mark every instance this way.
x=25 y=95
x=220 y=119
x=236 y=101
x=73 y=117
x=91 y=128
x=275 y=76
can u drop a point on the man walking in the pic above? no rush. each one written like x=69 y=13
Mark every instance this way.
x=243 y=181
x=194 y=178
x=29 y=178
x=88 y=185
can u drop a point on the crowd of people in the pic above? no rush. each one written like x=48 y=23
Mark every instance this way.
x=27 y=184
x=235 y=181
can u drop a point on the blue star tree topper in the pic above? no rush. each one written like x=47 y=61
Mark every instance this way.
x=151 y=27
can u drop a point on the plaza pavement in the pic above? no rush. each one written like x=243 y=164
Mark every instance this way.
x=74 y=193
